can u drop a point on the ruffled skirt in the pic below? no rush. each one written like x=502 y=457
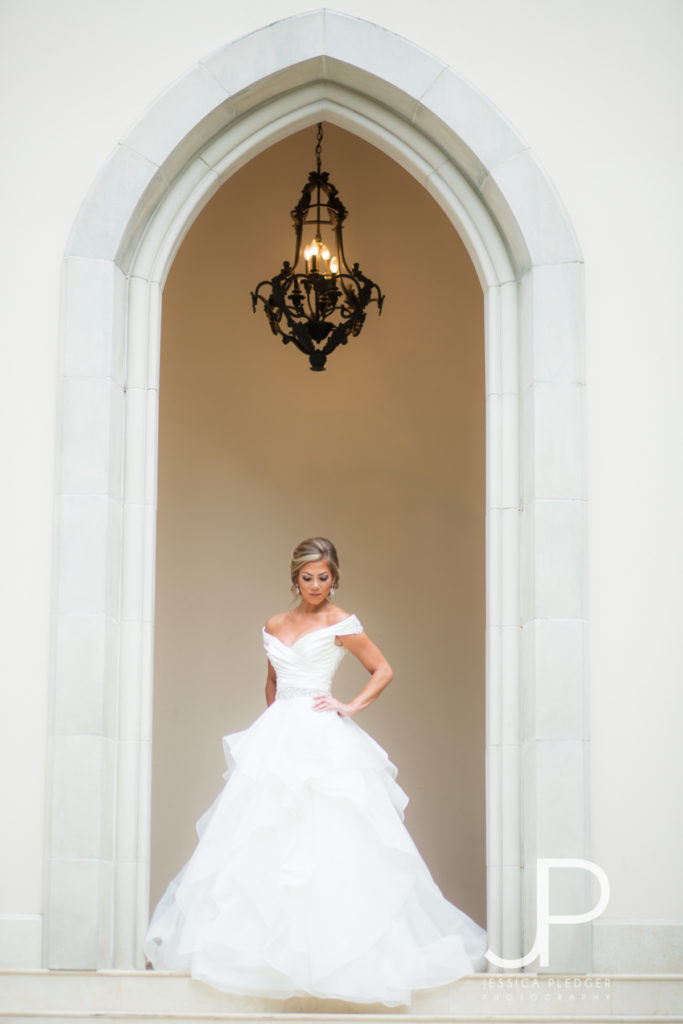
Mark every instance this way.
x=305 y=880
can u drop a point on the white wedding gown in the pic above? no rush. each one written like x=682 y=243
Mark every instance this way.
x=305 y=880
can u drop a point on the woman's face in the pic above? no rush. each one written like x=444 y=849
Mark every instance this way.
x=315 y=581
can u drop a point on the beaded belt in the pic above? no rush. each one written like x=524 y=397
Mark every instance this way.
x=287 y=692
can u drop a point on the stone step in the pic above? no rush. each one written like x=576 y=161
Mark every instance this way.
x=140 y=997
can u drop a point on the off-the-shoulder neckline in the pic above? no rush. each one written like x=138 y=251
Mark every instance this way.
x=309 y=632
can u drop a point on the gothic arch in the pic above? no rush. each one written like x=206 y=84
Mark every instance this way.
x=229 y=107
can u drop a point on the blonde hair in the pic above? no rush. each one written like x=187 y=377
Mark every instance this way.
x=311 y=550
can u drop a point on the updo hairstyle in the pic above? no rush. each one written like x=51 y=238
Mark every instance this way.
x=312 y=550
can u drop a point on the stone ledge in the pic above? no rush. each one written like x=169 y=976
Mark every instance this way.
x=39 y=995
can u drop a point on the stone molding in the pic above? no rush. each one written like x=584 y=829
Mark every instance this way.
x=223 y=112
x=138 y=997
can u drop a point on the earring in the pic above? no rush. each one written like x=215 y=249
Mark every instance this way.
x=331 y=591
x=296 y=587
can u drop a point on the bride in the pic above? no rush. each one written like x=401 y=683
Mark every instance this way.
x=305 y=880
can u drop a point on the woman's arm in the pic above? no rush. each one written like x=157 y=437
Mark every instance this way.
x=271 y=685
x=377 y=665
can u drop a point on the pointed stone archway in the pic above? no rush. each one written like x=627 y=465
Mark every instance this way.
x=224 y=111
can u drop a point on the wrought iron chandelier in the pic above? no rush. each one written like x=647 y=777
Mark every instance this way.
x=324 y=305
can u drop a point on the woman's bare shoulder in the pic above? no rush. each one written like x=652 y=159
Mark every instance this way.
x=339 y=616
x=275 y=621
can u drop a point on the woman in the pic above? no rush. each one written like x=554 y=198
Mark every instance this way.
x=305 y=880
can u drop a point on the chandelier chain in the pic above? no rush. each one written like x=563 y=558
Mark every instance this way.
x=319 y=146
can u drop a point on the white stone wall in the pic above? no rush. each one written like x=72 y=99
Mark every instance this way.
x=594 y=88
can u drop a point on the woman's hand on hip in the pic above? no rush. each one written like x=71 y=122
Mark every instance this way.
x=326 y=702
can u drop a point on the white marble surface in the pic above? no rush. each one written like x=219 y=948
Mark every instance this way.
x=553 y=420
x=141 y=418
x=554 y=580
x=136 y=653
x=79 y=926
x=502 y=697
x=523 y=200
x=128 y=754
x=138 y=995
x=82 y=774
x=555 y=651
x=396 y=62
x=144 y=318
x=486 y=138
x=86 y=660
x=638 y=946
x=91 y=426
x=195 y=103
x=93 y=297
x=552 y=302
x=509 y=450
x=127 y=185
x=462 y=204
x=185 y=196
x=21 y=939
x=247 y=61
x=502 y=544
x=509 y=360
x=557 y=789
x=87 y=539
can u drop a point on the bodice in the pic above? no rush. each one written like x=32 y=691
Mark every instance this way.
x=307 y=667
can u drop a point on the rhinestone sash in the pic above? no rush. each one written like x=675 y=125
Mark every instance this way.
x=288 y=692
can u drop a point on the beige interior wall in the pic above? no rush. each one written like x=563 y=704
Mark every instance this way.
x=383 y=452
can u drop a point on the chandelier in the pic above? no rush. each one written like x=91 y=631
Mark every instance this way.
x=319 y=301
